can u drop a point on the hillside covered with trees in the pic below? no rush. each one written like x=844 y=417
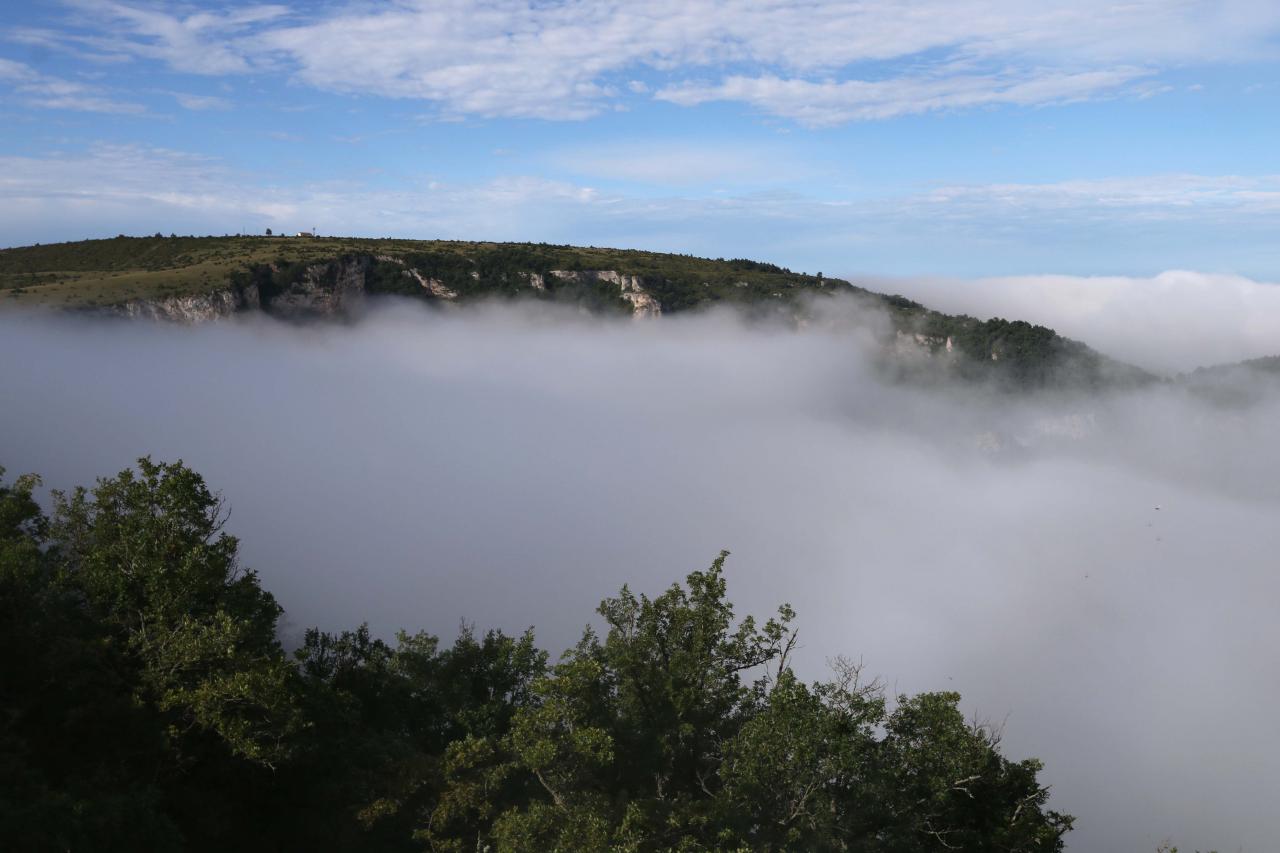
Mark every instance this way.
x=147 y=703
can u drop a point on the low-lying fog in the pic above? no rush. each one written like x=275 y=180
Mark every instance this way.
x=1100 y=572
x=1172 y=322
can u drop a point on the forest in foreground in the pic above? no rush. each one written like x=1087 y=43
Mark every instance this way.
x=147 y=702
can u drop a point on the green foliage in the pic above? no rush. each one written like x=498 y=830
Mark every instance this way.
x=80 y=760
x=683 y=730
x=147 y=551
x=121 y=253
x=146 y=703
x=795 y=769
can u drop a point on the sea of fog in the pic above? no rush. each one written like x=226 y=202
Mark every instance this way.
x=1098 y=574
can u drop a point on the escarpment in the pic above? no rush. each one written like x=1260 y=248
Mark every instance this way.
x=201 y=279
x=187 y=310
x=341 y=287
x=630 y=288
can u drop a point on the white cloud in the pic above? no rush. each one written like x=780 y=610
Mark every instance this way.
x=831 y=102
x=201 y=102
x=818 y=62
x=665 y=163
x=130 y=188
x=201 y=42
x=55 y=93
x=135 y=188
x=1154 y=196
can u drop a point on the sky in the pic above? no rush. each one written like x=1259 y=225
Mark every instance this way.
x=961 y=138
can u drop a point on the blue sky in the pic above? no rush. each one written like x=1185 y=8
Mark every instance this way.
x=940 y=137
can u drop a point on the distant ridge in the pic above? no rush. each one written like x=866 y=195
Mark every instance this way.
x=191 y=279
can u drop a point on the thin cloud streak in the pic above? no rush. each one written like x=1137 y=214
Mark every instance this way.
x=663 y=163
x=201 y=103
x=830 y=103
x=199 y=42
x=46 y=91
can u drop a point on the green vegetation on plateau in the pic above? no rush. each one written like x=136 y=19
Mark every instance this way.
x=102 y=273
x=146 y=703
x=105 y=272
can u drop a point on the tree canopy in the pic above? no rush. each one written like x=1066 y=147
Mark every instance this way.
x=147 y=703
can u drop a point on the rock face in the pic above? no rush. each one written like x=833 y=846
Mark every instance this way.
x=187 y=310
x=338 y=288
x=630 y=288
x=328 y=289
x=915 y=344
x=434 y=286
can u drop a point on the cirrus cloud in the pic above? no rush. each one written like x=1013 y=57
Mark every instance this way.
x=838 y=102
x=56 y=93
x=817 y=62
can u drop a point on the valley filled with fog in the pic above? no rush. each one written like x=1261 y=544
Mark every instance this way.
x=1094 y=571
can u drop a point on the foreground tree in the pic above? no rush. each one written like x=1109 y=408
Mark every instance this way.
x=148 y=553
x=683 y=731
x=384 y=716
x=146 y=703
x=79 y=757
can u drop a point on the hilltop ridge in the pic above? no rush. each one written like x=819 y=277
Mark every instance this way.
x=193 y=279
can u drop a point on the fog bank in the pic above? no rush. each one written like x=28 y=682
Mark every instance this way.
x=1099 y=571
x=1169 y=323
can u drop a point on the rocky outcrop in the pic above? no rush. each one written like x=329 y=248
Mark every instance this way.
x=642 y=302
x=248 y=298
x=630 y=288
x=917 y=344
x=188 y=310
x=338 y=288
x=328 y=289
x=434 y=286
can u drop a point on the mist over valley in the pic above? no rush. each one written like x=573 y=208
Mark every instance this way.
x=1091 y=568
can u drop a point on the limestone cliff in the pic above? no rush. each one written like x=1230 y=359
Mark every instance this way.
x=432 y=285
x=630 y=288
x=187 y=310
x=339 y=288
x=323 y=290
